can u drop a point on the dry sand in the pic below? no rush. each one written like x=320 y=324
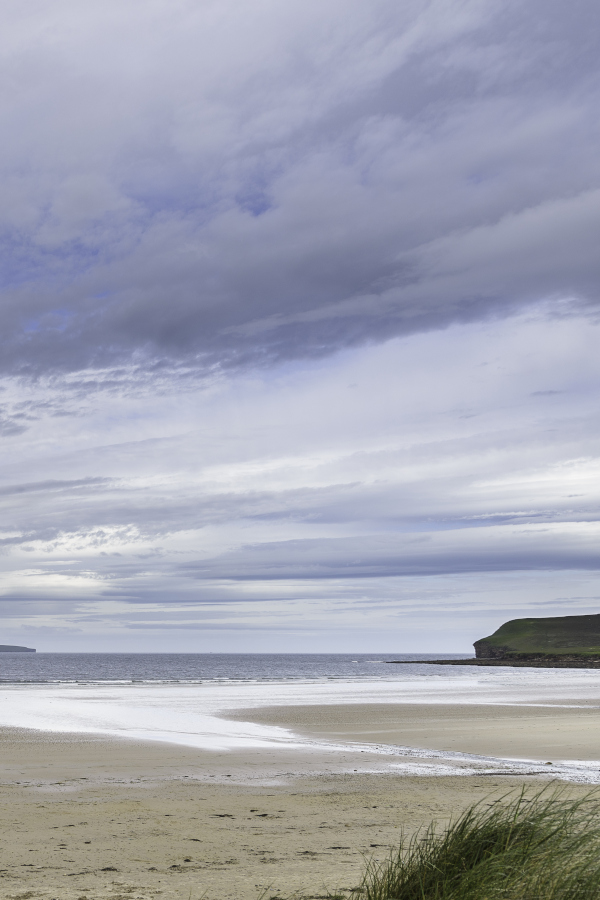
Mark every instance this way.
x=95 y=818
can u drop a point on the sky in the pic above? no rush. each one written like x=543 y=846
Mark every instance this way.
x=299 y=322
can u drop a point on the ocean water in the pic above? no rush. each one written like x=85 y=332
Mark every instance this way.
x=49 y=668
x=183 y=698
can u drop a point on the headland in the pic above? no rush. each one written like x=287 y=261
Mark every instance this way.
x=569 y=637
x=557 y=642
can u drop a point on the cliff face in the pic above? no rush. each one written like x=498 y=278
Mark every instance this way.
x=485 y=650
x=574 y=636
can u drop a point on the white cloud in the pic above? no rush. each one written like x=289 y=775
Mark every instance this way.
x=444 y=471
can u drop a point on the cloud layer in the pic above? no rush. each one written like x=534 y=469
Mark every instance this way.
x=299 y=321
x=231 y=184
x=452 y=475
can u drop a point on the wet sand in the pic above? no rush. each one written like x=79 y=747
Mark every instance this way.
x=90 y=817
x=544 y=733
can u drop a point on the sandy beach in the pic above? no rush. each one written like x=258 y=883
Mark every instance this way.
x=544 y=733
x=91 y=817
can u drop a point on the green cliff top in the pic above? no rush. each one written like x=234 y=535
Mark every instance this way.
x=560 y=634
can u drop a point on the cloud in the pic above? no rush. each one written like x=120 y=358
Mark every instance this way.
x=52 y=486
x=468 y=453
x=242 y=184
x=493 y=549
x=299 y=318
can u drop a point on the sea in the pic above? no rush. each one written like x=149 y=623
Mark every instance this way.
x=164 y=668
x=185 y=698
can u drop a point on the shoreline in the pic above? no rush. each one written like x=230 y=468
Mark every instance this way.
x=115 y=818
x=535 y=663
x=455 y=733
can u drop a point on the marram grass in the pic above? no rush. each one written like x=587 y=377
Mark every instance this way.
x=541 y=848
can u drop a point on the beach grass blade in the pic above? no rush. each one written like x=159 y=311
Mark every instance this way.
x=545 y=847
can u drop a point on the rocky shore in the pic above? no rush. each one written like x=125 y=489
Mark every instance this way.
x=524 y=660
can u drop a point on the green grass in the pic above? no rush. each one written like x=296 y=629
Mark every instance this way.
x=577 y=635
x=545 y=848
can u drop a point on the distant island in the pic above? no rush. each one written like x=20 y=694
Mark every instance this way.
x=566 y=642
x=10 y=648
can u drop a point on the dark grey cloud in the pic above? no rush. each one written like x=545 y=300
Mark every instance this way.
x=439 y=553
x=248 y=186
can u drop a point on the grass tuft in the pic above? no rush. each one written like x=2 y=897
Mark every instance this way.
x=541 y=848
